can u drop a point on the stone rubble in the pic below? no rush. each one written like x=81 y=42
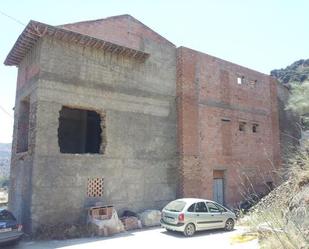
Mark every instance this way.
x=150 y=218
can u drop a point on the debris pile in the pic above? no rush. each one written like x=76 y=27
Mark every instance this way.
x=150 y=218
x=104 y=220
x=131 y=223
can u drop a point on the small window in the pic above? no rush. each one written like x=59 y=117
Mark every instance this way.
x=221 y=209
x=95 y=187
x=240 y=80
x=212 y=208
x=23 y=126
x=225 y=120
x=191 y=208
x=253 y=82
x=242 y=126
x=201 y=207
x=255 y=128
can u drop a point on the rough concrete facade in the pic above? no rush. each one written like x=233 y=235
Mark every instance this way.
x=161 y=129
x=138 y=101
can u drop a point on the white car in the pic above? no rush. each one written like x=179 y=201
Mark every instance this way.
x=188 y=215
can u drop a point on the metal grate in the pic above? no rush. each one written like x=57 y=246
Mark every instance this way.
x=95 y=187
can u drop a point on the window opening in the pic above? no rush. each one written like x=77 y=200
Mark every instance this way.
x=240 y=80
x=212 y=207
x=79 y=131
x=255 y=128
x=23 y=126
x=200 y=207
x=242 y=126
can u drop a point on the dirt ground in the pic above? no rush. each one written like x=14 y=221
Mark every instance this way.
x=147 y=238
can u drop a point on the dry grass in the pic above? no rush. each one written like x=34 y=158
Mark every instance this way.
x=281 y=218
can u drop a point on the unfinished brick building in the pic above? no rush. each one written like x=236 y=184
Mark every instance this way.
x=108 y=110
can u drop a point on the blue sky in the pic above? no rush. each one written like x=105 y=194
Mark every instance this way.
x=260 y=34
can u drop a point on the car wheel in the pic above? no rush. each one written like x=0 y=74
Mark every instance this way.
x=189 y=230
x=229 y=225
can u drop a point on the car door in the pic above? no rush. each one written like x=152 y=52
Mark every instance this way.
x=202 y=216
x=217 y=217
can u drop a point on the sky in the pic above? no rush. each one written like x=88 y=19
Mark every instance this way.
x=261 y=34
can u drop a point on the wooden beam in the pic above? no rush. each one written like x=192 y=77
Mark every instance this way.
x=36 y=30
x=25 y=44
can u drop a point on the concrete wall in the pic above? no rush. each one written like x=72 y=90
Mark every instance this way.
x=207 y=93
x=137 y=99
x=20 y=191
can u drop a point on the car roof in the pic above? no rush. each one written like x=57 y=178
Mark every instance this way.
x=192 y=200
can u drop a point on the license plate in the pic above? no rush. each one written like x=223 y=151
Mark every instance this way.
x=3 y=230
x=169 y=219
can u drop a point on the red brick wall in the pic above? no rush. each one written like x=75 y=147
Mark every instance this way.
x=124 y=30
x=207 y=92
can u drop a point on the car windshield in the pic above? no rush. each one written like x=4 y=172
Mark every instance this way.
x=5 y=216
x=175 y=206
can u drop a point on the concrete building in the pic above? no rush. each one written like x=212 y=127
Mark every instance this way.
x=109 y=110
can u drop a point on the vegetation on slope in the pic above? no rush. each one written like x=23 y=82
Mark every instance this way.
x=296 y=72
x=281 y=219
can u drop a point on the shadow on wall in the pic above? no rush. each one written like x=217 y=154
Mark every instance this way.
x=289 y=125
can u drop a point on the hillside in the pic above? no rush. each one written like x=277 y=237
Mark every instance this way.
x=296 y=72
x=281 y=219
x=5 y=158
x=5 y=150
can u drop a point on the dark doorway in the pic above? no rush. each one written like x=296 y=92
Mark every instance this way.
x=23 y=126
